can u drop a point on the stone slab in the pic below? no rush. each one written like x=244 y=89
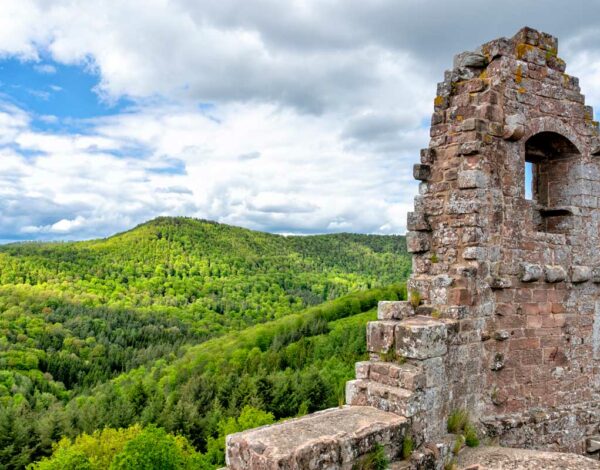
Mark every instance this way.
x=331 y=439
x=421 y=338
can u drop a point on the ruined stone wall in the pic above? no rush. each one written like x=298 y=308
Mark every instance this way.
x=520 y=277
x=503 y=316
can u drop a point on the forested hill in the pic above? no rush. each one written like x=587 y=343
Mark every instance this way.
x=221 y=276
x=115 y=333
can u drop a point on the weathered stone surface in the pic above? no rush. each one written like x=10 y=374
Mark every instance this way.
x=580 y=274
x=421 y=172
x=407 y=376
x=501 y=335
x=554 y=273
x=469 y=179
x=514 y=128
x=497 y=362
x=383 y=397
x=417 y=242
x=421 y=338
x=380 y=336
x=417 y=221
x=394 y=309
x=470 y=59
x=592 y=444
x=427 y=156
x=531 y=272
x=504 y=332
x=503 y=458
x=471 y=148
x=332 y=439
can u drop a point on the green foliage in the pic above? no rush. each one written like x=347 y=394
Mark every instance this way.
x=451 y=464
x=458 y=443
x=457 y=420
x=374 y=460
x=154 y=448
x=193 y=327
x=415 y=298
x=471 y=438
x=392 y=356
x=407 y=447
x=459 y=423
x=124 y=449
x=199 y=393
x=216 y=276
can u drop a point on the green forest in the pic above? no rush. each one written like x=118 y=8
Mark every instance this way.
x=146 y=348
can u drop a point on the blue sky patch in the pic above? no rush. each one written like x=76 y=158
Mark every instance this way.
x=58 y=95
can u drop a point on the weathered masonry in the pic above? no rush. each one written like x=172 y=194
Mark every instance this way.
x=504 y=312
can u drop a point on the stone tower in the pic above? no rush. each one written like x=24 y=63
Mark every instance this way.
x=503 y=316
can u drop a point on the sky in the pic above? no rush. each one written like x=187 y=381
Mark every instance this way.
x=295 y=116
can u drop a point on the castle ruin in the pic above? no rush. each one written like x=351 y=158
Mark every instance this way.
x=503 y=316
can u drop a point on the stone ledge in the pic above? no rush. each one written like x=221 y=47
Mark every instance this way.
x=498 y=458
x=332 y=439
x=396 y=400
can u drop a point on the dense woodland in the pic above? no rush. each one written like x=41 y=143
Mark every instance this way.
x=106 y=354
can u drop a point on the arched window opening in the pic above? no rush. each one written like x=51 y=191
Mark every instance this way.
x=549 y=159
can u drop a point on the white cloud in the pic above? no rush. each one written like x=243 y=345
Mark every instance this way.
x=305 y=179
x=297 y=116
x=45 y=69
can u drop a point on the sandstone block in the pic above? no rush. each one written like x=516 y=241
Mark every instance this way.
x=417 y=242
x=383 y=397
x=554 y=273
x=427 y=156
x=394 y=310
x=474 y=253
x=417 y=221
x=531 y=272
x=469 y=179
x=596 y=274
x=361 y=369
x=421 y=172
x=470 y=59
x=592 y=444
x=514 y=127
x=334 y=438
x=405 y=376
x=580 y=274
x=421 y=338
x=380 y=336
x=470 y=148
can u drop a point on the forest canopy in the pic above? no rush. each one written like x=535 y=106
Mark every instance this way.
x=179 y=331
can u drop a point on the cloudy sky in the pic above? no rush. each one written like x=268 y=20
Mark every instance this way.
x=290 y=116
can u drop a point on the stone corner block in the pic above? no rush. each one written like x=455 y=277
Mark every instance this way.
x=380 y=336
x=421 y=171
x=421 y=338
x=417 y=221
x=394 y=309
x=361 y=369
x=417 y=242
